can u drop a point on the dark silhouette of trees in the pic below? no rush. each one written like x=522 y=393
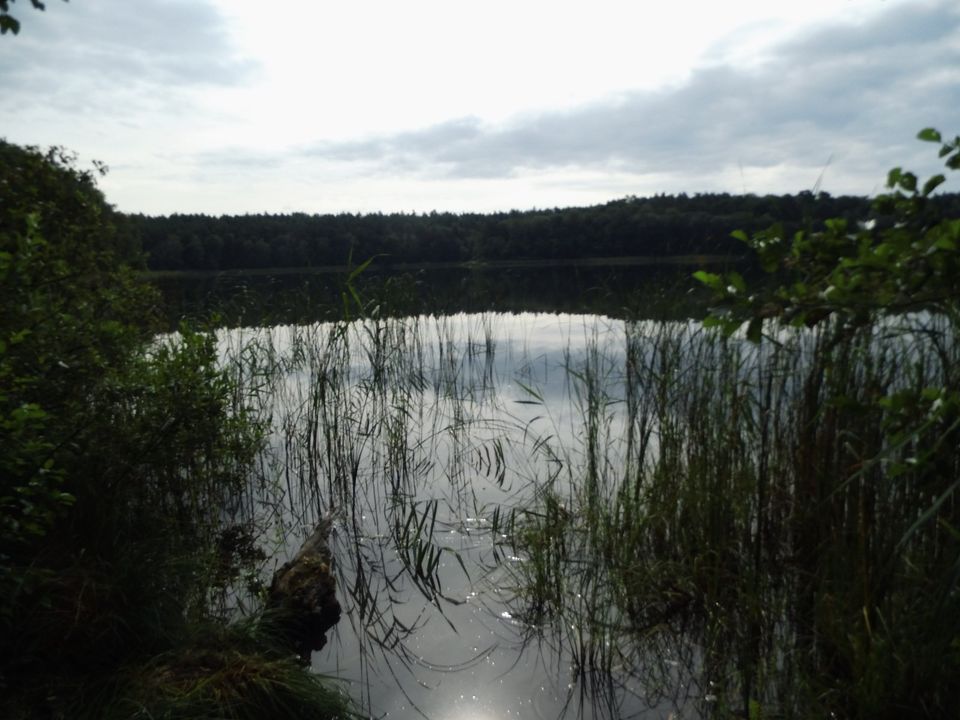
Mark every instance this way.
x=658 y=226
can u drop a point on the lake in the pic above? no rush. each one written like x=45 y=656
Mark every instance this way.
x=598 y=511
x=430 y=438
x=664 y=290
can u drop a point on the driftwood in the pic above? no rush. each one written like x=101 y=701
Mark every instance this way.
x=303 y=594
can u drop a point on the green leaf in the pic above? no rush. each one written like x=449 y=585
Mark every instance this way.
x=9 y=24
x=893 y=177
x=929 y=135
x=711 y=280
x=932 y=184
x=737 y=281
x=727 y=325
x=838 y=226
x=769 y=262
x=755 y=330
x=359 y=269
x=740 y=235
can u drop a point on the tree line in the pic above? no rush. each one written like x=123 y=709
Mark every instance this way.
x=657 y=226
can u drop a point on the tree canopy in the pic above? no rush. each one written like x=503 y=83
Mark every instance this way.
x=656 y=226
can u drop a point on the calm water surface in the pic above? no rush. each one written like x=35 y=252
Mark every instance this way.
x=662 y=291
x=424 y=436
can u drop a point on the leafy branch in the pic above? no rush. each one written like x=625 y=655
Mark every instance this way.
x=902 y=258
x=8 y=23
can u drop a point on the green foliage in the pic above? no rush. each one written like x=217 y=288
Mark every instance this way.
x=8 y=23
x=904 y=257
x=785 y=509
x=63 y=300
x=123 y=455
x=787 y=505
x=238 y=671
x=887 y=282
x=657 y=226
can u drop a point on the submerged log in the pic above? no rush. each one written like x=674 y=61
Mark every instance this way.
x=303 y=594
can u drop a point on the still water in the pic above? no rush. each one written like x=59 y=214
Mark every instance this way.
x=662 y=291
x=431 y=439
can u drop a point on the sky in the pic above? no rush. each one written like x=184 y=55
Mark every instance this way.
x=236 y=106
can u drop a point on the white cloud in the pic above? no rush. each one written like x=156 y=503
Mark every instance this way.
x=235 y=105
x=856 y=95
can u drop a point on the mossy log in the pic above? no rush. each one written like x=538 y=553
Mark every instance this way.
x=303 y=594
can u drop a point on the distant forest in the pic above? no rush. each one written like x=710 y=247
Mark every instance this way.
x=658 y=226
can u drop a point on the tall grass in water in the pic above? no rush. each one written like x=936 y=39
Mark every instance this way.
x=732 y=529
x=766 y=535
x=382 y=422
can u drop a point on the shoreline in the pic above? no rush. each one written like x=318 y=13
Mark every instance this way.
x=628 y=261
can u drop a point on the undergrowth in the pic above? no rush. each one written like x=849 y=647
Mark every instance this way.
x=124 y=459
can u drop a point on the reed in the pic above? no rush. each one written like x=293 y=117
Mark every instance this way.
x=766 y=511
x=709 y=523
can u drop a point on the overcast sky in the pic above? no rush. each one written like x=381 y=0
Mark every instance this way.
x=235 y=106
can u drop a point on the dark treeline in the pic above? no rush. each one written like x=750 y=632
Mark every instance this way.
x=658 y=226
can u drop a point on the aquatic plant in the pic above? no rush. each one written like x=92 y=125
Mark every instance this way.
x=787 y=505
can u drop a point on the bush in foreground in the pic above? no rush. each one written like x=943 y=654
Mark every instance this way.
x=121 y=457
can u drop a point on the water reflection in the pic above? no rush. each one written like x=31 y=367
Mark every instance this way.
x=429 y=439
x=576 y=515
x=655 y=291
x=553 y=515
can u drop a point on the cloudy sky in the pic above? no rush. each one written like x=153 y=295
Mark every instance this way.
x=235 y=106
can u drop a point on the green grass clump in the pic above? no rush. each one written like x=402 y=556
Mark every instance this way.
x=232 y=672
